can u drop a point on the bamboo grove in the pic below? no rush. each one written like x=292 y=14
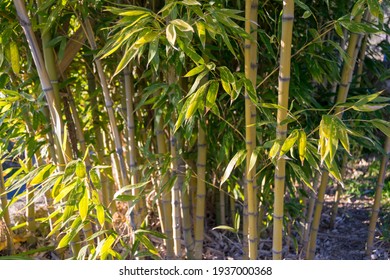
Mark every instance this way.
x=148 y=127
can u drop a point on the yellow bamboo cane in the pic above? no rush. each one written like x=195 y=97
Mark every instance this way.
x=109 y=105
x=281 y=130
x=251 y=10
x=200 y=193
x=378 y=197
x=47 y=86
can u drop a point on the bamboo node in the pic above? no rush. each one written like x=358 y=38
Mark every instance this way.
x=287 y=17
x=276 y=217
x=284 y=79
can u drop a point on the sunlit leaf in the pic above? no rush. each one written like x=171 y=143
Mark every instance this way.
x=171 y=34
x=236 y=160
x=212 y=94
x=83 y=205
x=201 y=29
x=100 y=214
x=289 y=142
x=43 y=174
x=225 y=228
x=302 y=142
x=182 y=25
x=195 y=70
x=14 y=57
x=382 y=125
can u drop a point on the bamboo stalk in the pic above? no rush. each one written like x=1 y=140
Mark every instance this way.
x=378 y=197
x=132 y=145
x=281 y=130
x=346 y=78
x=109 y=106
x=339 y=191
x=310 y=211
x=166 y=206
x=200 y=193
x=99 y=143
x=185 y=207
x=46 y=84
x=251 y=10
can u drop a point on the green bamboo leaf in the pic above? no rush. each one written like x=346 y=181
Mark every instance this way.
x=334 y=170
x=196 y=100
x=306 y=14
x=358 y=27
x=235 y=161
x=367 y=98
x=301 y=174
x=147 y=243
x=151 y=232
x=44 y=173
x=358 y=8
x=197 y=81
x=81 y=171
x=344 y=139
x=274 y=149
x=227 y=80
x=252 y=161
x=93 y=175
x=100 y=214
x=83 y=205
x=129 y=54
x=191 y=3
x=289 y=142
x=14 y=57
x=153 y=50
x=195 y=70
x=171 y=34
x=302 y=143
x=134 y=13
x=382 y=125
x=68 y=212
x=190 y=52
x=250 y=90
x=201 y=29
x=212 y=94
x=375 y=8
x=369 y=108
x=128 y=188
x=338 y=29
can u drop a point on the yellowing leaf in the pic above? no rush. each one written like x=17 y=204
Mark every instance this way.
x=81 y=171
x=182 y=25
x=195 y=70
x=101 y=216
x=43 y=174
x=83 y=205
x=171 y=34
x=134 y=13
x=289 y=142
x=274 y=150
x=200 y=27
x=14 y=57
x=302 y=142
